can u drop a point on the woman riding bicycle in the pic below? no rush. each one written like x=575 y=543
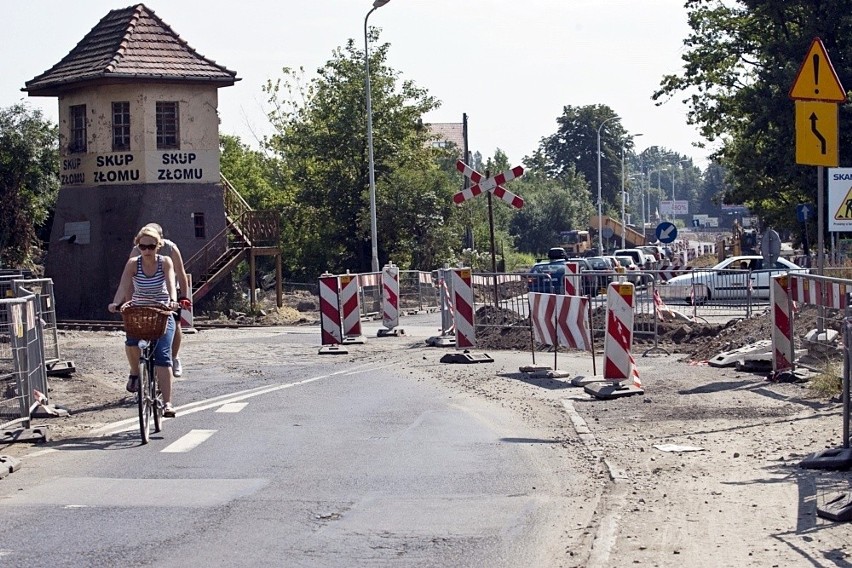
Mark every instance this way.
x=149 y=279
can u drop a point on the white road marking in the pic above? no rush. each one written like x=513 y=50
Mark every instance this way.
x=131 y=423
x=188 y=441
x=232 y=407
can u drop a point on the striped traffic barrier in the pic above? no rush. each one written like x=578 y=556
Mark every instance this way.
x=463 y=307
x=571 y=279
x=330 y=325
x=390 y=301
x=817 y=293
x=350 y=305
x=782 y=328
x=187 y=316
x=621 y=375
x=619 y=332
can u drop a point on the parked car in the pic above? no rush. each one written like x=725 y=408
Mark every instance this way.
x=547 y=277
x=642 y=260
x=730 y=279
x=631 y=268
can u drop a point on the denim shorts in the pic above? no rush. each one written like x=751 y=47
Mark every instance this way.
x=163 y=349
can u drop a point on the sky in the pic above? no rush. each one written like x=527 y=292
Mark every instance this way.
x=510 y=65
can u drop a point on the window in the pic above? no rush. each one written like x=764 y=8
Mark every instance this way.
x=167 y=125
x=120 y=126
x=77 y=140
x=198 y=221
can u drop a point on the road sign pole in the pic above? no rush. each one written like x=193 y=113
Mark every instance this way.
x=493 y=246
x=820 y=239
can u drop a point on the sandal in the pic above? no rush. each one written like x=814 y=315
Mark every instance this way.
x=169 y=410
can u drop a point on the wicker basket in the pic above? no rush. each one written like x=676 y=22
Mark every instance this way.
x=145 y=322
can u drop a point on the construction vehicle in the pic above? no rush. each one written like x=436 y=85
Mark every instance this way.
x=576 y=242
x=632 y=237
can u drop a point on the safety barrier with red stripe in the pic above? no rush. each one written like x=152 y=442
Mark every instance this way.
x=782 y=329
x=670 y=271
x=390 y=296
x=187 y=316
x=618 y=362
x=330 y=310
x=817 y=293
x=448 y=323
x=350 y=305
x=560 y=320
x=463 y=308
x=572 y=279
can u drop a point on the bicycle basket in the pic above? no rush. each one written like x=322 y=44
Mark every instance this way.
x=145 y=322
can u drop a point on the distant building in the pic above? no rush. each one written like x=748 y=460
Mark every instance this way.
x=139 y=143
x=448 y=133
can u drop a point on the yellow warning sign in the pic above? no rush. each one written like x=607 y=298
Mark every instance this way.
x=816 y=79
x=844 y=212
x=817 y=134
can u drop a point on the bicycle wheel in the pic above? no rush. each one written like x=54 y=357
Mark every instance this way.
x=146 y=368
x=156 y=402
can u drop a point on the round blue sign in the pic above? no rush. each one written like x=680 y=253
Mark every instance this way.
x=666 y=232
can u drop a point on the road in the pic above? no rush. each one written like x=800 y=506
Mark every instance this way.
x=285 y=459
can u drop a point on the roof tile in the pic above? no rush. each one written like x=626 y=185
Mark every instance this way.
x=130 y=44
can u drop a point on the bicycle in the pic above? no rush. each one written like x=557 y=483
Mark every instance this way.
x=147 y=323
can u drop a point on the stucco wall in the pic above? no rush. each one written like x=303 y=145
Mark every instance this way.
x=197 y=159
x=86 y=275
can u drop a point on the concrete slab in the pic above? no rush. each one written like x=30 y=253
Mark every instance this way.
x=609 y=389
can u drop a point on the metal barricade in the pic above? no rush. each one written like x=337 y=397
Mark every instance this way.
x=42 y=288
x=417 y=290
x=19 y=329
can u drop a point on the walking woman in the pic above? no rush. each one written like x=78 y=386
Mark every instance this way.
x=149 y=279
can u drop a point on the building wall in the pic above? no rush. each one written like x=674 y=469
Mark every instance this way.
x=103 y=221
x=197 y=160
x=106 y=197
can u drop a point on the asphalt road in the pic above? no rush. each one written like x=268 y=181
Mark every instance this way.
x=305 y=461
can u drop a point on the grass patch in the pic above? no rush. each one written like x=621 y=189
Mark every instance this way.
x=828 y=383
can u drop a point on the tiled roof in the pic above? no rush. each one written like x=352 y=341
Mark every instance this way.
x=449 y=132
x=130 y=44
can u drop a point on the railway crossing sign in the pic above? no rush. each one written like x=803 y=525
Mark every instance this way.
x=492 y=184
x=666 y=232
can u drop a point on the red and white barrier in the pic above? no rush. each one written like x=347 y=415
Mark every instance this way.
x=618 y=363
x=817 y=293
x=782 y=329
x=463 y=308
x=187 y=318
x=449 y=318
x=350 y=304
x=572 y=279
x=330 y=310
x=560 y=320
x=670 y=271
x=390 y=296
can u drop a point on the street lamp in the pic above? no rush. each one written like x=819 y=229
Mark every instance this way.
x=600 y=209
x=374 y=239
x=623 y=226
x=659 y=189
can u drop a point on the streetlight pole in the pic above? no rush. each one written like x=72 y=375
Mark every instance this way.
x=600 y=208
x=658 y=171
x=623 y=226
x=676 y=164
x=373 y=236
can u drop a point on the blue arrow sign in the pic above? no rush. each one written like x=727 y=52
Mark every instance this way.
x=666 y=232
x=805 y=212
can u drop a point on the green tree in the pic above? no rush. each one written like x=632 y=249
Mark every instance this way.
x=740 y=60
x=29 y=181
x=321 y=145
x=574 y=145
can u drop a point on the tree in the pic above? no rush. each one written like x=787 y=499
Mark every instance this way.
x=740 y=61
x=574 y=145
x=321 y=145
x=29 y=180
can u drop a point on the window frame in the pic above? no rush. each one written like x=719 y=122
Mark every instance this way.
x=168 y=125
x=120 y=126
x=78 y=132
x=199 y=226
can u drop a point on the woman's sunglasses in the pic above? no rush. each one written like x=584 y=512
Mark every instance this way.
x=147 y=247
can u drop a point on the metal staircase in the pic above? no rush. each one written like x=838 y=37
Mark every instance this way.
x=247 y=233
